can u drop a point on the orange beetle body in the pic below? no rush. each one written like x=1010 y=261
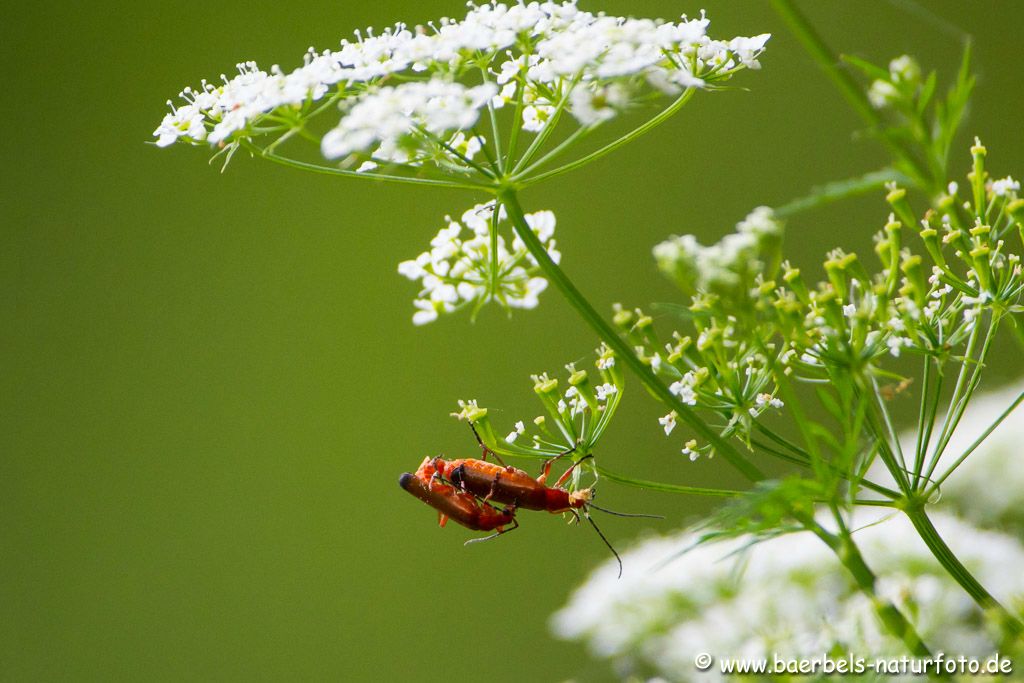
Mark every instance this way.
x=508 y=485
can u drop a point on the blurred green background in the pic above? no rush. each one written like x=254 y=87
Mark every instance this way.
x=210 y=381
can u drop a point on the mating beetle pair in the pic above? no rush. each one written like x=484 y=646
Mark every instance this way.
x=465 y=490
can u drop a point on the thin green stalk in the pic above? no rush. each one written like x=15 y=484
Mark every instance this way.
x=958 y=402
x=924 y=426
x=942 y=552
x=838 y=190
x=885 y=452
x=890 y=615
x=646 y=127
x=493 y=116
x=805 y=462
x=977 y=442
x=887 y=419
x=316 y=168
x=565 y=144
x=667 y=488
x=610 y=336
x=490 y=174
x=517 y=123
x=549 y=127
x=495 y=275
x=841 y=78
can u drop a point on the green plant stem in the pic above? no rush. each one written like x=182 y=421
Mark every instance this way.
x=850 y=557
x=847 y=85
x=977 y=442
x=839 y=190
x=316 y=168
x=608 y=334
x=942 y=552
x=640 y=130
x=820 y=52
x=667 y=488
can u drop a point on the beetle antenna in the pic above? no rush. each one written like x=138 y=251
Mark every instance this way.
x=481 y=540
x=617 y=558
x=625 y=514
x=483 y=446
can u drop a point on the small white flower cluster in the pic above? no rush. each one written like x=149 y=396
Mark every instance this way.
x=904 y=77
x=722 y=265
x=394 y=118
x=540 y=53
x=788 y=596
x=577 y=415
x=460 y=269
x=1005 y=186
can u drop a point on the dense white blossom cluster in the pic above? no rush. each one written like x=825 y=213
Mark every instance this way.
x=787 y=596
x=722 y=265
x=578 y=411
x=460 y=269
x=424 y=82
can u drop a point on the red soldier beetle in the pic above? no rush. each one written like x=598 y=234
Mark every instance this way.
x=515 y=487
x=450 y=503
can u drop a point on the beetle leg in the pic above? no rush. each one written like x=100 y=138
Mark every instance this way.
x=483 y=447
x=565 y=477
x=546 y=468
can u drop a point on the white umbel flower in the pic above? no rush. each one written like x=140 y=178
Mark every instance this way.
x=393 y=113
x=787 y=596
x=459 y=271
x=543 y=55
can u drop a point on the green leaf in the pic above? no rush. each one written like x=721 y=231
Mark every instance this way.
x=869 y=70
x=841 y=189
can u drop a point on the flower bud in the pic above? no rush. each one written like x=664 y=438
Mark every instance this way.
x=897 y=199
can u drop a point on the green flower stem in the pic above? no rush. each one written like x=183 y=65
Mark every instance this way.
x=839 y=190
x=804 y=461
x=649 y=125
x=924 y=427
x=667 y=488
x=959 y=404
x=328 y=170
x=848 y=87
x=545 y=132
x=1010 y=622
x=977 y=442
x=610 y=336
x=816 y=47
x=850 y=557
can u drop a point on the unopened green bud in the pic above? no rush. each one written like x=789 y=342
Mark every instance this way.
x=679 y=350
x=914 y=272
x=1016 y=210
x=836 y=276
x=977 y=176
x=545 y=385
x=791 y=277
x=958 y=240
x=897 y=199
x=980 y=258
x=621 y=317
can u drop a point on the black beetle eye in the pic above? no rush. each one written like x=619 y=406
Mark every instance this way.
x=457 y=476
